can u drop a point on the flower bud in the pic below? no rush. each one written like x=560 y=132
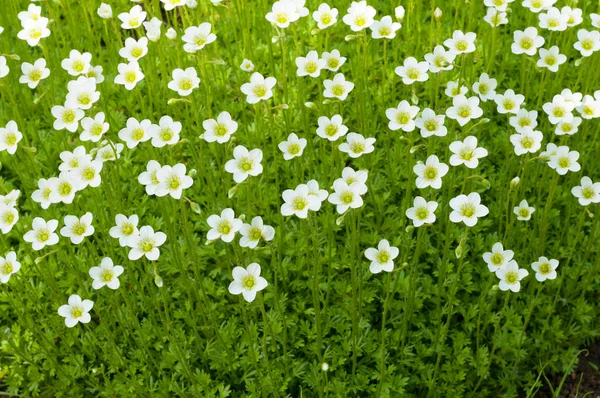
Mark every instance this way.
x=437 y=14
x=514 y=182
x=171 y=34
x=399 y=12
x=324 y=367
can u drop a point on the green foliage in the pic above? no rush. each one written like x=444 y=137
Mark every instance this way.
x=447 y=330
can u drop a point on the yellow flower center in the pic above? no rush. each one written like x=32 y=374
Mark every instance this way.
x=293 y=149
x=35 y=75
x=526 y=43
x=422 y=213
x=464 y=111
x=545 y=268
x=131 y=76
x=137 y=134
x=511 y=278
x=43 y=235
x=78 y=66
x=260 y=90
x=338 y=90
x=357 y=147
x=77 y=312
x=221 y=130
x=79 y=228
x=10 y=139
x=468 y=210
x=107 y=275
x=383 y=257
x=430 y=173
x=248 y=282
x=137 y=52
x=68 y=116
x=331 y=130
x=65 y=188
x=326 y=19
x=497 y=259
x=311 y=67
x=299 y=203
x=185 y=84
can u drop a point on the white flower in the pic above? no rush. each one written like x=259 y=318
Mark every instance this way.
x=134 y=49
x=464 y=109
x=559 y=109
x=495 y=17
x=510 y=277
x=333 y=60
x=105 y=11
x=553 y=20
x=184 y=81
x=461 y=43
x=485 y=87
x=402 y=117
x=76 y=311
x=564 y=160
x=132 y=19
x=165 y=133
x=467 y=209
x=148 y=177
x=8 y=266
x=33 y=12
x=574 y=15
x=338 y=88
x=172 y=181
x=219 y=130
x=293 y=147
x=568 y=126
x=129 y=75
x=125 y=229
x=360 y=16
x=572 y=97
x=283 y=13
x=587 y=42
x=467 y=152
x=34 y=73
x=96 y=73
x=527 y=41
x=42 y=233
x=385 y=28
x=34 y=30
x=224 y=226
x=77 y=63
x=413 y=71
x=431 y=124
x=108 y=151
x=43 y=194
x=331 y=129
x=524 y=120
x=135 y=132
x=258 y=88
x=255 y=231
x=78 y=228
x=310 y=65
x=4 y=69
x=538 y=5
x=382 y=258
x=452 y=89
x=82 y=92
x=314 y=190
x=67 y=117
x=545 y=268
x=509 y=102
x=422 y=212
x=523 y=211
x=595 y=20
x=589 y=107
x=107 y=274
x=588 y=192
x=88 y=173
x=549 y=152
x=358 y=178
x=399 y=13
x=171 y=34
x=66 y=187
x=247 y=66
x=247 y=282
x=10 y=199
x=8 y=218
x=10 y=136
x=527 y=141
x=430 y=174
x=440 y=59
x=299 y=201
x=196 y=37
x=551 y=59
x=244 y=163
x=146 y=243
x=325 y=16
x=346 y=196
x=71 y=160
x=357 y=145
x=498 y=258
x=171 y=4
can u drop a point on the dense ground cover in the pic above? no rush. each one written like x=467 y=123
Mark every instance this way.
x=440 y=311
